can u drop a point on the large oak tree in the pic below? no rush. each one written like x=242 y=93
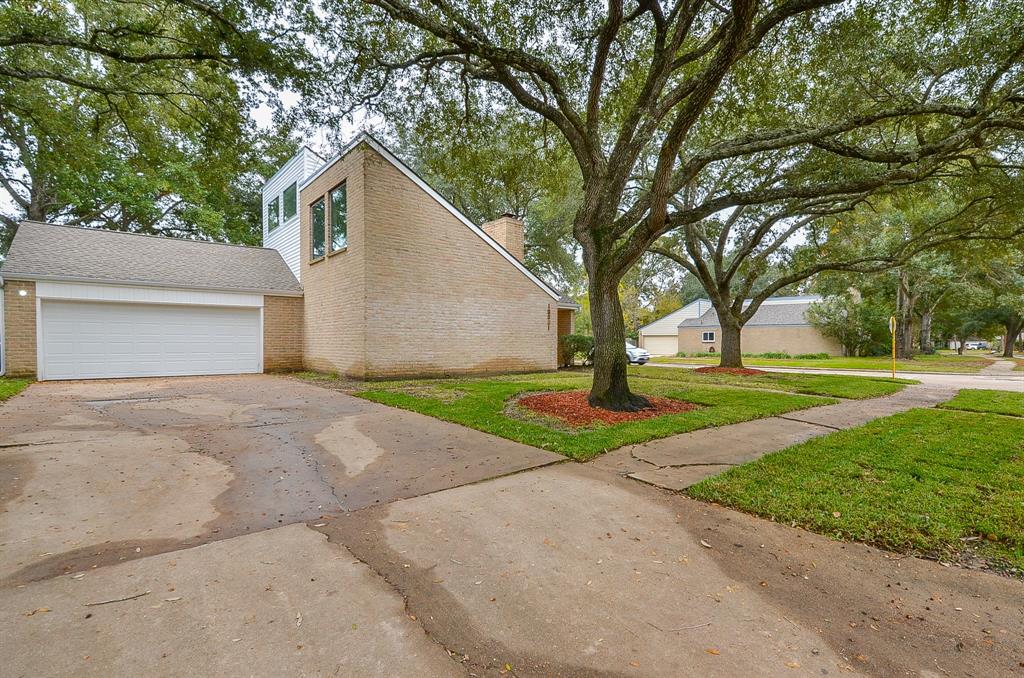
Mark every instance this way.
x=655 y=100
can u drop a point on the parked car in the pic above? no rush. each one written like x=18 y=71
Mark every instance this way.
x=975 y=345
x=636 y=355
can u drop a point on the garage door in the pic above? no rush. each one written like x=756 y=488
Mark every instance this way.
x=85 y=340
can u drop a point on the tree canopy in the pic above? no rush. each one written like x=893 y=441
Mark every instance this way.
x=135 y=115
x=683 y=114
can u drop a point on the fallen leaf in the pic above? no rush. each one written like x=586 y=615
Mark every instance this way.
x=705 y=544
x=713 y=651
x=38 y=609
x=793 y=665
x=172 y=600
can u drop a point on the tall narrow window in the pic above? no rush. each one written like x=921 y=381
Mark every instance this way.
x=339 y=218
x=318 y=223
x=273 y=214
x=291 y=207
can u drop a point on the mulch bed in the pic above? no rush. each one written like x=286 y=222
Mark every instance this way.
x=572 y=408
x=735 y=371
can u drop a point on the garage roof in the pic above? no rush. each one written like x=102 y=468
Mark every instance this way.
x=792 y=313
x=53 y=252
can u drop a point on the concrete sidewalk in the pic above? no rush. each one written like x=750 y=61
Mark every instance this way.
x=677 y=462
x=1003 y=381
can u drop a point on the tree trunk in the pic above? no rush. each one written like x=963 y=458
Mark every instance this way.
x=958 y=340
x=926 y=333
x=610 y=389
x=904 y=320
x=732 y=353
x=1013 y=330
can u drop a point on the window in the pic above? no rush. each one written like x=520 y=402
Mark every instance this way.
x=318 y=222
x=708 y=337
x=291 y=203
x=339 y=218
x=273 y=214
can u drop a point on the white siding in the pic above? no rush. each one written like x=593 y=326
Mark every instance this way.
x=285 y=238
x=669 y=324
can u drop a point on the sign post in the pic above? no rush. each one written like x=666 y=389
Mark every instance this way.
x=892 y=331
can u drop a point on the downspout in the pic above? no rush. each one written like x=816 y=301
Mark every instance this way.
x=3 y=333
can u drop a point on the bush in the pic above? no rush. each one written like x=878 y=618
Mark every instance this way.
x=775 y=355
x=812 y=356
x=572 y=345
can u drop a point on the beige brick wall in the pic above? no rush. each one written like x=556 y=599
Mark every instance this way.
x=440 y=300
x=566 y=321
x=282 y=333
x=334 y=320
x=507 y=230
x=762 y=339
x=20 y=328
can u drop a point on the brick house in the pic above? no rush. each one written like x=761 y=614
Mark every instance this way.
x=365 y=271
x=780 y=325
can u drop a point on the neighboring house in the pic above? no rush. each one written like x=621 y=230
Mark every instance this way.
x=394 y=282
x=779 y=325
x=661 y=337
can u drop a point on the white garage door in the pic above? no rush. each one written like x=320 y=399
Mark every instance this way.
x=86 y=340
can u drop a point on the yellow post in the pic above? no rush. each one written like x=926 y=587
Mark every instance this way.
x=892 y=331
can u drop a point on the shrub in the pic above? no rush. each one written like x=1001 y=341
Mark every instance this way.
x=775 y=355
x=812 y=356
x=572 y=345
x=681 y=354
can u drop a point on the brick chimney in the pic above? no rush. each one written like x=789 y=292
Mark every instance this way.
x=508 y=231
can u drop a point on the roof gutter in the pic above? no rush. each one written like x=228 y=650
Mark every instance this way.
x=143 y=283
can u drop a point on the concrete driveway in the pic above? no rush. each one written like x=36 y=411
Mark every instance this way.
x=243 y=526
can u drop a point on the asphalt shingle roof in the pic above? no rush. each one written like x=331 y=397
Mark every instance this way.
x=768 y=314
x=49 y=251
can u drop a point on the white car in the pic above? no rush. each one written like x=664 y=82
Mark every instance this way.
x=975 y=345
x=637 y=355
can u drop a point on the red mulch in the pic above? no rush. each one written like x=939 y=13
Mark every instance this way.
x=572 y=408
x=735 y=371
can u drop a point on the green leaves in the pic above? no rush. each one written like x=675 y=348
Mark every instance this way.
x=135 y=116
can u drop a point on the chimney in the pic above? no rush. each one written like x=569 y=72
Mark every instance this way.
x=508 y=231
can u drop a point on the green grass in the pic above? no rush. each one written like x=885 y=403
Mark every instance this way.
x=481 y=404
x=938 y=483
x=922 y=363
x=833 y=385
x=12 y=387
x=982 y=400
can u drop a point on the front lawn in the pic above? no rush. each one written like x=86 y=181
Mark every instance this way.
x=938 y=483
x=922 y=363
x=833 y=385
x=486 y=404
x=983 y=400
x=12 y=387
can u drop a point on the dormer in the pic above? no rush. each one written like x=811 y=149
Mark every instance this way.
x=281 y=206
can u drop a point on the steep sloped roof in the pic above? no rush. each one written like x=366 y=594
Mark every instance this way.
x=52 y=252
